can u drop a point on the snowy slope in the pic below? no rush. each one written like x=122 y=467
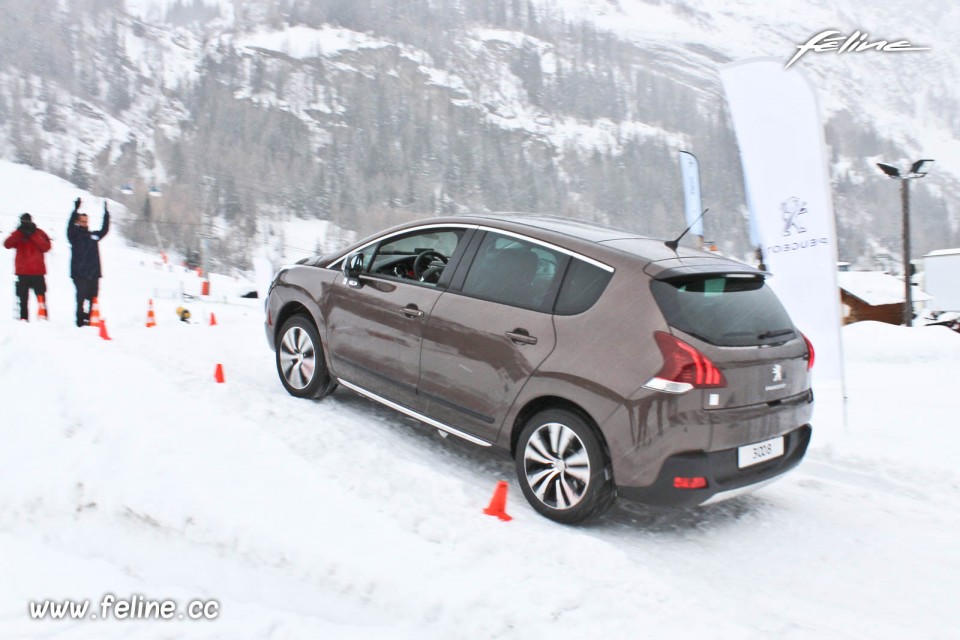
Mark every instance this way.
x=125 y=469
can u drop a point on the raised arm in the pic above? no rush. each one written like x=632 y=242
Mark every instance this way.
x=71 y=224
x=106 y=221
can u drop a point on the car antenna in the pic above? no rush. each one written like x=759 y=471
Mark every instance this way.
x=673 y=244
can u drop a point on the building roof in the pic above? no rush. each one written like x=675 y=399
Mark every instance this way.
x=943 y=252
x=876 y=288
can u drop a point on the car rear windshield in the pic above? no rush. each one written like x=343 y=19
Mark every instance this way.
x=726 y=310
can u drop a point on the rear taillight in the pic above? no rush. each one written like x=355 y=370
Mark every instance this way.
x=684 y=368
x=809 y=351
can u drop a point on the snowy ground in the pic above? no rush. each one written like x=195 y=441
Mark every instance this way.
x=125 y=469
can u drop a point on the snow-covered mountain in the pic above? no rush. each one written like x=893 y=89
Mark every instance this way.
x=245 y=114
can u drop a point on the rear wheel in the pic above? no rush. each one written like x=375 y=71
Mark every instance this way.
x=300 y=362
x=562 y=468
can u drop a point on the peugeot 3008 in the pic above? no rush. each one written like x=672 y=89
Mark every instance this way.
x=608 y=364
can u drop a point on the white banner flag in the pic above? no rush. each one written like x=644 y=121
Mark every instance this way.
x=781 y=142
x=692 y=202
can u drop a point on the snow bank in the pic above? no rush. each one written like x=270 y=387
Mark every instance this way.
x=881 y=342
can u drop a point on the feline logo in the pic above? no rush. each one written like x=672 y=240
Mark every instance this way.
x=831 y=40
x=790 y=210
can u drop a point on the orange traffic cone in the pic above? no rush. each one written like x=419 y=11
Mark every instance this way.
x=213 y=319
x=151 y=317
x=205 y=288
x=42 y=312
x=103 y=329
x=498 y=503
x=218 y=374
x=94 y=313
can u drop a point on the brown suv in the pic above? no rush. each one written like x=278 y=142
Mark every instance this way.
x=605 y=362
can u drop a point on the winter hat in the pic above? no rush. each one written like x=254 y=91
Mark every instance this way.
x=26 y=218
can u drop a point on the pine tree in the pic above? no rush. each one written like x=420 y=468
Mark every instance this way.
x=78 y=175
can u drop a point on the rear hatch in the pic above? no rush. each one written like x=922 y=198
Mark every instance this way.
x=736 y=321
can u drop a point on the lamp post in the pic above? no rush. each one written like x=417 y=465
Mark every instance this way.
x=205 y=234
x=154 y=192
x=915 y=172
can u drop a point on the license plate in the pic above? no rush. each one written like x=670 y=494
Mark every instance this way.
x=752 y=454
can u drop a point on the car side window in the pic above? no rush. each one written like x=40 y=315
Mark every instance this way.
x=512 y=271
x=582 y=286
x=420 y=256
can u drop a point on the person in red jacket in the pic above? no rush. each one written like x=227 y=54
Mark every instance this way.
x=31 y=243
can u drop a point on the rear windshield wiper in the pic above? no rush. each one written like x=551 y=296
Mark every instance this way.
x=774 y=334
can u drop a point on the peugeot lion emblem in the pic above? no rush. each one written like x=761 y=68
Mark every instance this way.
x=777 y=371
x=790 y=211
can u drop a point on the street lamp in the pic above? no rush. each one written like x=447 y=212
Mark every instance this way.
x=915 y=172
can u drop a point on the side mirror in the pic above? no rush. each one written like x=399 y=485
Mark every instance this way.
x=352 y=267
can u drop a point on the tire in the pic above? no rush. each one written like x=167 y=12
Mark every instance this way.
x=300 y=362
x=562 y=468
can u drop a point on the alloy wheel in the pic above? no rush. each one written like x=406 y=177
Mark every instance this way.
x=298 y=358
x=557 y=466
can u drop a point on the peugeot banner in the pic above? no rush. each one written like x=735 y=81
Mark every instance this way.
x=778 y=129
x=692 y=203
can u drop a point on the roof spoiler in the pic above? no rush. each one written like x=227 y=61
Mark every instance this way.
x=676 y=267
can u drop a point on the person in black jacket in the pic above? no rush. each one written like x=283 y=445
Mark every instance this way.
x=85 y=259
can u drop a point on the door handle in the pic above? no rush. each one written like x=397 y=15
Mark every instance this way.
x=521 y=336
x=411 y=311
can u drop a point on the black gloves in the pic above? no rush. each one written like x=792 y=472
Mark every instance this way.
x=27 y=229
x=76 y=205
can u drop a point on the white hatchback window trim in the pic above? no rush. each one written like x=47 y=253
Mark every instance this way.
x=512 y=234
x=402 y=233
x=549 y=245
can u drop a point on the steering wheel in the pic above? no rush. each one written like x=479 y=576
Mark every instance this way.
x=424 y=268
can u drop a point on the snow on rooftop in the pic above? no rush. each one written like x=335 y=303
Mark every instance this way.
x=876 y=288
x=943 y=252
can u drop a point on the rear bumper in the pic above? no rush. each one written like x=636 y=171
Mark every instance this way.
x=721 y=471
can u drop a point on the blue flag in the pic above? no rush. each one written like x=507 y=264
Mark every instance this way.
x=692 y=203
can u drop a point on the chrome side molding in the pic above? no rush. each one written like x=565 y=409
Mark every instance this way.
x=413 y=414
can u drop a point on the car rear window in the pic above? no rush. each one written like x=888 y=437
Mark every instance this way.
x=730 y=310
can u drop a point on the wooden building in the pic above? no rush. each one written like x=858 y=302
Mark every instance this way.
x=873 y=295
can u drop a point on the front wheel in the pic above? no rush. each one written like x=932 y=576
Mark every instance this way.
x=562 y=468
x=300 y=362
